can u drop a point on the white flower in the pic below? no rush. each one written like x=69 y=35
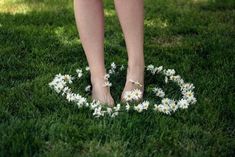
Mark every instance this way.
x=58 y=87
x=180 y=82
x=109 y=110
x=82 y=100
x=187 y=87
x=114 y=114
x=79 y=72
x=165 y=101
x=150 y=67
x=158 y=69
x=65 y=91
x=169 y=72
x=68 y=78
x=88 y=88
x=145 y=105
x=193 y=100
x=94 y=104
x=166 y=79
x=111 y=71
x=139 y=108
x=128 y=95
x=136 y=94
x=173 y=105
x=158 y=107
x=113 y=65
x=188 y=95
x=127 y=106
x=183 y=104
x=117 y=108
x=70 y=97
x=167 y=106
x=159 y=92
x=106 y=76
x=174 y=77
x=58 y=83
x=166 y=109
x=87 y=104
x=162 y=108
x=107 y=84
x=98 y=112
x=122 y=67
x=87 y=68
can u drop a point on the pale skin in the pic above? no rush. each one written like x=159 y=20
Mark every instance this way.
x=89 y=15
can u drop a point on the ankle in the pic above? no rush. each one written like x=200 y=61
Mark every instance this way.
x=135 y=69
x=97 y=77
x=134 y=65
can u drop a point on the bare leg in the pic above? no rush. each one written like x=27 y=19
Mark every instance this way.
x=131 y=17
x=90 y=23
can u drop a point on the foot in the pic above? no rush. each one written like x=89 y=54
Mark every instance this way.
x=134 y=80
x=101 y=91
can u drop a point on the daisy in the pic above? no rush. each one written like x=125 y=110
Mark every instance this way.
x=166 y=79
x=107 y=84
x=169 y=72
x=166 y=109
x=117 y=108
x=158 y=69
x=150 y=67
x=70 y=97
x=114 y=114
x=66 y=90
x=68 y=78
x=187 y=87
x=127 y=106
x=111 y=71
x=88 y=88
x=87 y=68
x=122 y=67
x=138 y=108
x=159 y=92
x=165 y=101
x=145 y=105
x=98 y=112
x=79 y=72
x=173 y=106
x=128 y=96
x=183 y=104
x=106 y=76
x=137 y=94
x=188 y=95
x=109 y=110
x=113 y=65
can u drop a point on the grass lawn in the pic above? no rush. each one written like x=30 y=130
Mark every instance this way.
x=38 y=39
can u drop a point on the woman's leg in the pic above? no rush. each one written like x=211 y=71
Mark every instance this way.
x=90 y=23
x=131 y=17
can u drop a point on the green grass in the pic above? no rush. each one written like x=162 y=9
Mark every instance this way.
x=38 y=39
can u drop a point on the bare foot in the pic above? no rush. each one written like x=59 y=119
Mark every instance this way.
x=134 y=80
x=101 y=92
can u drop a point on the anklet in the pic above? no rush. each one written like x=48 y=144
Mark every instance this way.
x=136 y=82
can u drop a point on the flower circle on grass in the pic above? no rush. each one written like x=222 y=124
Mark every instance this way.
x=168 y=106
